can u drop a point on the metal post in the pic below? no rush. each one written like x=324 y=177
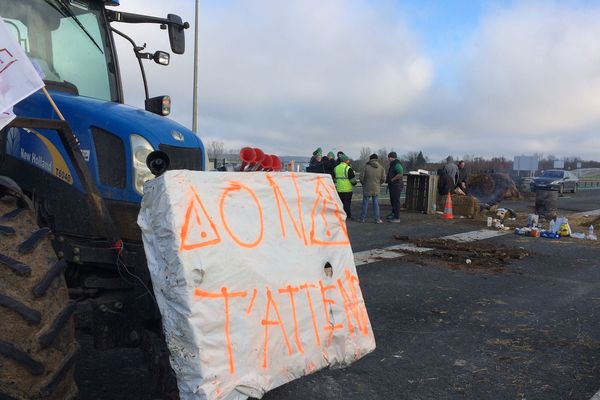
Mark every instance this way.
x=195 y=98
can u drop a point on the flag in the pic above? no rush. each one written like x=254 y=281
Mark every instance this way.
x=18 y=77
x=6 y=117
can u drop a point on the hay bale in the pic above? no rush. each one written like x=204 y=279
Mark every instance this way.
x=465 y=206
x=506 y=186
x=492 y=188
x=482 y=184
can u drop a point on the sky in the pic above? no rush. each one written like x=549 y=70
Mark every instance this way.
x=446 y=77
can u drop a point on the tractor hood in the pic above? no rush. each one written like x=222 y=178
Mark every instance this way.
x=83 y=113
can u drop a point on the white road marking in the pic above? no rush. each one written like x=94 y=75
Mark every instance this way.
x=374 y=255
x=591 y=213
x=370 y=256
x=475 y=235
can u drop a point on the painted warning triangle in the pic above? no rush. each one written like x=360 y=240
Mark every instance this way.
x=326 y=218
x=198 y=229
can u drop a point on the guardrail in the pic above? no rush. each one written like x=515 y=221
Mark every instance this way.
x=591 y=184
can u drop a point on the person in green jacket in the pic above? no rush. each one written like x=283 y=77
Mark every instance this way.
x=345 y=179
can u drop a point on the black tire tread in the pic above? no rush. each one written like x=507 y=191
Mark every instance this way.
x=6 y=230
x=65 y=366
x=47 y=336
x=33 y=317
x=11 y=351
x=33 y=240
x=4 y=396
x=12 y=214
x=16 y=266
x=42 y=286
x=37 y=336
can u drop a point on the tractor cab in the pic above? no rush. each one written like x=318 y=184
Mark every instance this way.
x=72 y=45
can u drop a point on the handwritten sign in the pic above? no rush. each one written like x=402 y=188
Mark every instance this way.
x=254 y=277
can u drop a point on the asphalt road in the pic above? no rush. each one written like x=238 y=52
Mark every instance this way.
x=528 y=332
x=570 y=202
x=445 y=332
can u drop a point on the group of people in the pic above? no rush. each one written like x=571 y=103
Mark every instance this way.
x=372 y=177
x=453 y=178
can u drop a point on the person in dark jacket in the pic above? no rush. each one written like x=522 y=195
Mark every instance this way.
x=451 y=170
x=395 y=185
x=316 y=162
x=372 y=177
x=329 y=164
x=445 y=183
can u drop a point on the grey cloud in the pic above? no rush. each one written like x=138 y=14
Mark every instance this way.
x=293 y=75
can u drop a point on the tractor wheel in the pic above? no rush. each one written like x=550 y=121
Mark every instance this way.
x=37 y=333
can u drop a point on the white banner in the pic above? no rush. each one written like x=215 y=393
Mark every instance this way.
x=6 y=117
x=254 y=277
x=18 y=77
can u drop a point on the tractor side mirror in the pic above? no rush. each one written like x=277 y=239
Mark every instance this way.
x=176 y=34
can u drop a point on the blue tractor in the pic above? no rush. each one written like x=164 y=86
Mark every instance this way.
x=82 y=181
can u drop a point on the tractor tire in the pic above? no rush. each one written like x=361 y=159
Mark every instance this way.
x=37 y=333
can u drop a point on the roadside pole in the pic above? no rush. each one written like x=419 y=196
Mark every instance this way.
x=195 y=97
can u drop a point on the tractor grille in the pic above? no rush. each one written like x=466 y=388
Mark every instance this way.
x=183 y=157
x=110 y=154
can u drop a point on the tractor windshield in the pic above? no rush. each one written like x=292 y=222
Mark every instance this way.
x=68 y=40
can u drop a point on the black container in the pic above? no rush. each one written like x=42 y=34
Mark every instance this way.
x=546 y=203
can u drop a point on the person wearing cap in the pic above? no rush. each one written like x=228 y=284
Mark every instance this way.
x=395 y=185
x=329 y=164
x=316 y=162
x=345 y=180
x=317 y=156
x=372 y=177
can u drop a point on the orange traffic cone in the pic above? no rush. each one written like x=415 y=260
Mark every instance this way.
x=448 y=208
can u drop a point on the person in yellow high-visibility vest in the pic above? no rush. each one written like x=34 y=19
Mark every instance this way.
x=345 y=179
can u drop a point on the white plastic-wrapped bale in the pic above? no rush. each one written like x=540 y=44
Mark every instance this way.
x=254 y=277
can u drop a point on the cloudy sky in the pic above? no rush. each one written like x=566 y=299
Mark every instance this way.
x=460 y=77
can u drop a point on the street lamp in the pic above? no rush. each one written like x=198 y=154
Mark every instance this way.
x=195 y=97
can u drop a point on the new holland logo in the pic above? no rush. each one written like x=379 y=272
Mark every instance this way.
x=13 y=141
x=177 y=135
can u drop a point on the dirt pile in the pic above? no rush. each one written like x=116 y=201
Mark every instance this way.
x=472 y=256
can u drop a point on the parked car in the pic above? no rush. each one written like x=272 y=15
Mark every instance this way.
x=556 y=179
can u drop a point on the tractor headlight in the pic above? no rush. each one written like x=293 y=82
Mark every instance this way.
x=140 y=148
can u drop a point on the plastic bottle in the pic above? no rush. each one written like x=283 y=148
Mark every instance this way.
x=591 y=235
x=552 y=226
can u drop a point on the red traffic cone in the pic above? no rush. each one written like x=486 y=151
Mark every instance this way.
x=448 y=208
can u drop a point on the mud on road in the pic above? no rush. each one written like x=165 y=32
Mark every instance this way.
x=474 y=256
